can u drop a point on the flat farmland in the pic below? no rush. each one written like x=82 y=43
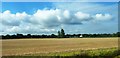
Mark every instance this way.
x=51 y=45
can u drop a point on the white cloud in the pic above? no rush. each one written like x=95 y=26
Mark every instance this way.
x=12 y=19
x=103 y=17
x=66 y=14
x=82 y=16
x=45 y=20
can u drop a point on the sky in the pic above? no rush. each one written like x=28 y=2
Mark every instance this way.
x=49 y=17
x=59 y=0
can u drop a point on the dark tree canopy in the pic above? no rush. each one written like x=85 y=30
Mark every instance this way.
x=58 y=34
x=62 y=33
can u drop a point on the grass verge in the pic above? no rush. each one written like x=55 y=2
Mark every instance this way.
x=93 y=53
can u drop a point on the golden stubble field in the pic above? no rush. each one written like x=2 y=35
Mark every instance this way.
x=47 y=45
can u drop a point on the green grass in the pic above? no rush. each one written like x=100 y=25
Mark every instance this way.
x=91 y=53
x=95 y=53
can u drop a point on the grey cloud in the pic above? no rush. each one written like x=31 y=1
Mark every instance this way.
x=11 y=22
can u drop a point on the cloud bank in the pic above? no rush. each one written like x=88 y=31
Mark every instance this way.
x=46 y=20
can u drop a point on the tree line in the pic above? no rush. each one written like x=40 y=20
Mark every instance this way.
x=61 y=34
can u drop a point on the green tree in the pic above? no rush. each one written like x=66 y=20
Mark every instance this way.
x=53 y=35
x=118 y=34
x=59 y=34
x=28 y=35
x=62 y=33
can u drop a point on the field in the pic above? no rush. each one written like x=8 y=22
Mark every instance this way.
x=46 y=46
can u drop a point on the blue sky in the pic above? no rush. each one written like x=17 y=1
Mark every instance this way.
x=49 y=17
x=60 y=0
x=28 y=7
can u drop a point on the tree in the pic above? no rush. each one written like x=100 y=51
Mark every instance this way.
x=28 y=35
x=19 y=35
x=53 y=36
x=59 y=34
x=62 y=33
x=118 y=34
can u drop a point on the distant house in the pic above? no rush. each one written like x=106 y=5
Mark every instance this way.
x=81 y=36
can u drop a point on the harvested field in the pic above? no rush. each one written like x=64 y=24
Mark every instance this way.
x=49 y=45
